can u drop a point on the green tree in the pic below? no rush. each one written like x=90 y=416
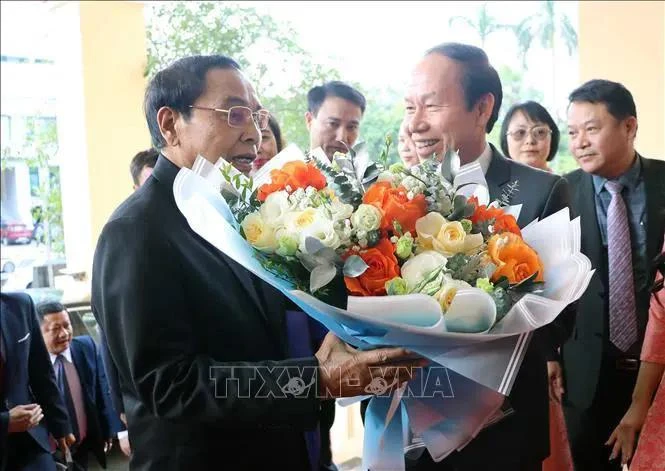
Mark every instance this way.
x=265 y=49
x=484 y=24
x=549 y=27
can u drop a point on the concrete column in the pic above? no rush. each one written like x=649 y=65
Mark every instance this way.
x=101 y=58
x=23 y=196
x=624 y=41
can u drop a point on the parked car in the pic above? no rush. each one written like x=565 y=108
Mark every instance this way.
x=12 y=232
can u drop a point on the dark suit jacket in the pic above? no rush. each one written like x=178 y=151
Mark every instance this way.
x=113 y=380
x=524 y=435
x=187 y=327
x=583 y=352
x=102 y=425
x=29 y=376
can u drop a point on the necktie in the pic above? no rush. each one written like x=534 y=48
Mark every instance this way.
x=61 y=377
x=623 y=320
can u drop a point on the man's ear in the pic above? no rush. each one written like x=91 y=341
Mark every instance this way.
x=308 y=120
x=166 y=119
x=485 y=107
x=630 y=124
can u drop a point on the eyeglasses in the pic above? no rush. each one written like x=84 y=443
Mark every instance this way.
x=539 y=134
x=239 y=116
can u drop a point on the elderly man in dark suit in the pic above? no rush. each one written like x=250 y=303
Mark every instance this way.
x=79 y=371
x=454 y=100
x=620 y=195
x=199 y=342
x=30 y=405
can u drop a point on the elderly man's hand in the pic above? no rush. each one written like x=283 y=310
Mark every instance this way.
x=347 y=372
x=24 y=417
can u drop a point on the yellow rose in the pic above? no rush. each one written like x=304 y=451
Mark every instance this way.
x=448 y=238
x=259 y=234
x=448 y=292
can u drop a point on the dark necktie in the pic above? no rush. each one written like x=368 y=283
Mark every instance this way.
x=623 y=320
x=63 y=385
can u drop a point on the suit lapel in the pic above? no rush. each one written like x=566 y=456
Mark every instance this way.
x=586 y=205
x=654 y=186
x=498 y=174
x=165 y=173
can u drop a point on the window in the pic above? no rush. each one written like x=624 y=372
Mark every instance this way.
x=34 y=181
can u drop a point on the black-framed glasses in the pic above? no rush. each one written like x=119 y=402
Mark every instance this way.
x=239 y=116
x=539 y=133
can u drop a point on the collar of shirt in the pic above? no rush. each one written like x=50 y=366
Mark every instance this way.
x=630 y=179
x=484 y=159
x=67 y=354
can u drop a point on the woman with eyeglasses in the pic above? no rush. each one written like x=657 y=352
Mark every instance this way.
x=271 y=144
x=529 y=135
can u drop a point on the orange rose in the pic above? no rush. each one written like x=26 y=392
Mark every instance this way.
x=295 y=174
x=502 y=222
x=383 y=267
x=396 y=206
x=514 y=258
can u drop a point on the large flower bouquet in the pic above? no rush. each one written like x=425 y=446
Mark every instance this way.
x=427 y=261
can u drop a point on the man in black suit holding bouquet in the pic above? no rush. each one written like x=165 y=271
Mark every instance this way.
x=188 y=328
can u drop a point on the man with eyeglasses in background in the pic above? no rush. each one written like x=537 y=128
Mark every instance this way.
x=199 y=342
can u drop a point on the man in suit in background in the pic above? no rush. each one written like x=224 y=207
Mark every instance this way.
x=28 y=391
x=334 y=112
x=453 y=101
x=79 y=371
x=142 y=165
x=620 y=196
x=199 y=342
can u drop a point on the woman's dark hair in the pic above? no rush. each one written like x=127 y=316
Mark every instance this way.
x=277 y=132
x=178 y=86
x=536 y=113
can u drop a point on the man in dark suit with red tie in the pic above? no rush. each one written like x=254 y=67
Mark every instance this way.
x=79 y=372
x=619 y=195
x=30 y=406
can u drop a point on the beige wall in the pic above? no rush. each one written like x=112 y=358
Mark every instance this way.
x=114 y=58
x=625 y=42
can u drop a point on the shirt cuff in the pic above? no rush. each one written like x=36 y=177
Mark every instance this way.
x=122 y=434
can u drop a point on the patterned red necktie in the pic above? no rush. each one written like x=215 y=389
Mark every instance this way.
x=623 y=320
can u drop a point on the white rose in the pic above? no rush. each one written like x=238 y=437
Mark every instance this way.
x=417 y=268
x=340 y=211
x=274 y=208
x=258 y=233
x=312 y=223
x=448 y=291
x=366 y=218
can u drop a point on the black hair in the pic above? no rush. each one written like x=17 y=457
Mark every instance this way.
x=145 y=158
x=277 y=132
x=178 y=86
x=317 y=95
x=479 y=77
x=617 y=98
x=51 y=307
x=537 y=113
